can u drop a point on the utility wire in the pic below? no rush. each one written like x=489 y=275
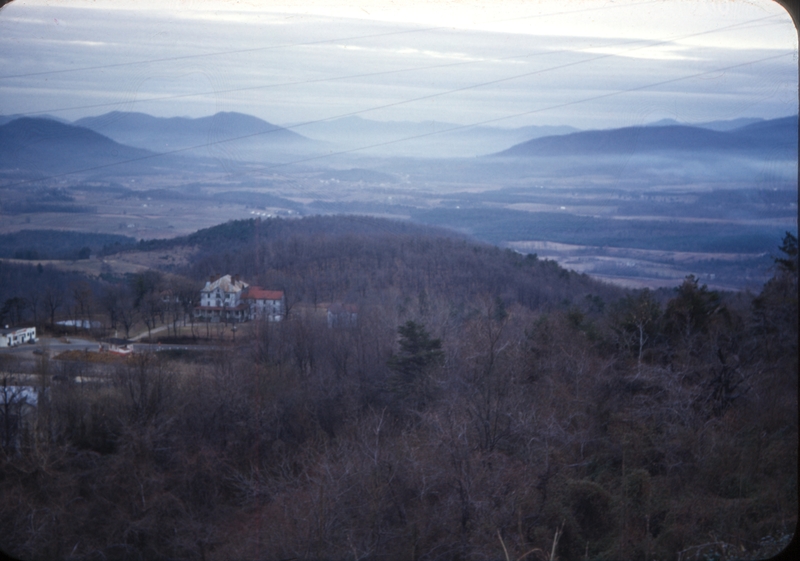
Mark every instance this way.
x=651 y=43
x=456 y=90
x=309 y=43
x=522 y=114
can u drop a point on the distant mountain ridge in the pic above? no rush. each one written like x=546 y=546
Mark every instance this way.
x=760 y=136
x=721 y=125
x=421 y=139
x=163 y=134
x=355 y=125
x=4 y=119
x=231 y=136
x=44 y=144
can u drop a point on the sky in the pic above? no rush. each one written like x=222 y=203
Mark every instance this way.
x=505 y=63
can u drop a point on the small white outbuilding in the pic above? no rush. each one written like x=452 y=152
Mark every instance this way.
x=13 y=336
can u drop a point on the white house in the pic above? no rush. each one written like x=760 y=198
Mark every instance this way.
x=11 y=337
x=265 y=304
x=221 y=300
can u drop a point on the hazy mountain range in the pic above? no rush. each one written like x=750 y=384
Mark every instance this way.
x=763 y=136
x=421 y=139
x=46 y=144
x=727 y=125
x=167 y=134
x=43 y=143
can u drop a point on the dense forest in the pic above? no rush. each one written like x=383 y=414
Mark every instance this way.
x=484 y=405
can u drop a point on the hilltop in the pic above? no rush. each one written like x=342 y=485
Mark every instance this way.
x=51 y=146
x=754 y=138
x=161 y=134
x=341 y=257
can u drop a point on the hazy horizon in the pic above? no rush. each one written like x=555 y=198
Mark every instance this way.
x=292 y=124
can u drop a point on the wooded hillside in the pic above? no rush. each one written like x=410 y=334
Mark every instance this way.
x=484 y=405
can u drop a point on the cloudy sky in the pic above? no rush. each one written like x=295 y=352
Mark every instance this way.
x=508 y=63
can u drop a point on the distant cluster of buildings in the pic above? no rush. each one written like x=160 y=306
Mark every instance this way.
x=229 y=299
x=223 y=299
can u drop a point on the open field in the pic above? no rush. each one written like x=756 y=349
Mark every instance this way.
x=142 y=220
x=639 y=268
x=92 y=267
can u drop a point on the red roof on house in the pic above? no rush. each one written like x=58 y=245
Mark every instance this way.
x=258 y=293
